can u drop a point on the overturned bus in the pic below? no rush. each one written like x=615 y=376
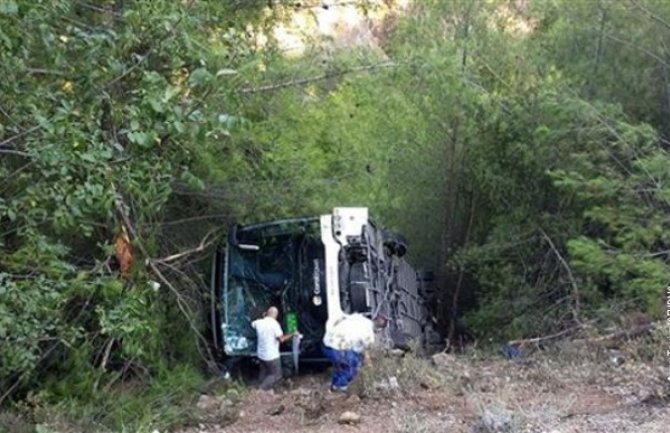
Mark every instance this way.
x=314 y=270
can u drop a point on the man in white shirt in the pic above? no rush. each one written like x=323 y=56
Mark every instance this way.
x=344 y=344
x=269 y=337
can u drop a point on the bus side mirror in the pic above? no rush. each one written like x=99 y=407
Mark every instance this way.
x=232 y=235
x=232 y=240
x=248 y=247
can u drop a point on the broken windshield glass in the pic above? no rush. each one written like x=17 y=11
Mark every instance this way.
x=278 y=270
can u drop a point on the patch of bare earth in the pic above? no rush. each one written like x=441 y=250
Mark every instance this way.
x=543 y=393
x=309 y=406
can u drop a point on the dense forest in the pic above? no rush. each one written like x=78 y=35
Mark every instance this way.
x=521 y=146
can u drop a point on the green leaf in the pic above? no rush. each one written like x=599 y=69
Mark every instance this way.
x=140 y=138
x=8 y=7
x=199 y=77
x=41 y=428
x=87 y=157
x=156 y=105
x=170 y=92
x=6 y=41
x=193 y=181
x=224 y=71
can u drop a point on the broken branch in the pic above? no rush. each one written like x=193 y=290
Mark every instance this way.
x=546 y=338
x=204 y=244
x=622 y=334
x=571 y=277
x=130 y=229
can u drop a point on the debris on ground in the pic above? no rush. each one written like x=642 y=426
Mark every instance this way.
x=397 y=353
x=277 y=410
x=312 y=405
x=208 y=403
x=568 y=391
x=349 y=417
x=494 y=420
x=617 y=358
x=387 y=384
x=443 y=360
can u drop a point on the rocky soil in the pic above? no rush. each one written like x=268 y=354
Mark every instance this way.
x=591 y=391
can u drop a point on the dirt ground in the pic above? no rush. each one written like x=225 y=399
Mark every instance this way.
x=540 y=394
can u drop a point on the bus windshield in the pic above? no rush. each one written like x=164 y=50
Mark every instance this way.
x=272 y=264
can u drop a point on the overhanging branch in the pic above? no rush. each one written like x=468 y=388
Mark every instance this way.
x=208 y=240
x=121 y=208
x=321 y=77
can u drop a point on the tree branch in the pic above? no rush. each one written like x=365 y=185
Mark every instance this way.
x=153 y=48
x=121 y=209
x=637 y=47
x=104 y=10
x=652 y=15
x=19 y=135
x=194 y=218
x=571 y=277
x=546 y=338
x=204 y=243
x=622 y=333
x=307 y=80
x=16 y=383
x=42 y=71
x=15 y=152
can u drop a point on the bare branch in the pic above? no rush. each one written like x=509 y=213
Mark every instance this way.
x=16 y=152
x=644 y=50
x=546 y=338
x=42 y=71
x=652 y=15
x=307 y=80
x=571 y=277
x=19 y=135
x=16 y=383
x=204 y=244
x=6 y=114
x=107 y=352
x=181 y=305
x=121 y=209
x=192 y=219
x=622 y=334
x=104 y=10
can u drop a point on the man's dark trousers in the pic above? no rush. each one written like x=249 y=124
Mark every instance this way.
x=270 y=373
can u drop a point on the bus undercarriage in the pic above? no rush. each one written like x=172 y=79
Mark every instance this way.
x=315 y=270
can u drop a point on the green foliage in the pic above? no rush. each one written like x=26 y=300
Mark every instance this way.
x=526 y=167
x=166 y=402
x=522 y=150
x=622 y=250
x=104 y=111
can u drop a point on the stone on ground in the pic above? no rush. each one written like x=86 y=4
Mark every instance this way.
x=349 y=417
